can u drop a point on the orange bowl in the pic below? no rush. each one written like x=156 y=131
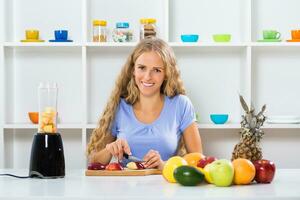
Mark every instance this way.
x=34 y=117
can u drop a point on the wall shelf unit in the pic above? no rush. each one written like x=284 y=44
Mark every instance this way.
x=213 y=73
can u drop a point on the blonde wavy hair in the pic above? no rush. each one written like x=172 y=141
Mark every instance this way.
x=126 y=88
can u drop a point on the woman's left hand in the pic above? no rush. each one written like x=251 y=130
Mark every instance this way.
x=153 y=160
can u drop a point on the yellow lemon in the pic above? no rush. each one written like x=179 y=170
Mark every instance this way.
x=170 y=166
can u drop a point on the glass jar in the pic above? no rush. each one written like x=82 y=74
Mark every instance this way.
x=122 y=33
x=148 y=28
x=99 y=31
x=47 y=107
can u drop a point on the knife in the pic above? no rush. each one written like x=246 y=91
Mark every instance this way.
x=132 y=158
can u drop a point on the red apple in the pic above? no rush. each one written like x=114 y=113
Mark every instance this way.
x=206 y=160
x=265 y=171
x=114 y=166
x=96 y=166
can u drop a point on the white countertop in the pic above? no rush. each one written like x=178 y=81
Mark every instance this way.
x=75 y=185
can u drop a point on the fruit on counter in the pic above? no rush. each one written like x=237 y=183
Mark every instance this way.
x=193 y=158
x=169 y=167
x=47 y=121
x=131 y=165
x=244 y=171
x=49 y=128
x=205 y=171
x=221 y=172
x=135 y=165
x=114 y=166
x=34 y=117
x=140 y=165
x=206 y=160
x=265 y=171
x=188 y=175
x=96 y=166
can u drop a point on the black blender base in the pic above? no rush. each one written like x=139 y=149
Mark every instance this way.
x=34 y=174
x=47 y=156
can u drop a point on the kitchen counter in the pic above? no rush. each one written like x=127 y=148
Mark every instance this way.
x=76 y=185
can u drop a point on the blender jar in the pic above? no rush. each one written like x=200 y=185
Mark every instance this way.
x=47 y=107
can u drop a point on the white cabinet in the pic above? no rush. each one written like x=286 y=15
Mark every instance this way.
x=213 y=73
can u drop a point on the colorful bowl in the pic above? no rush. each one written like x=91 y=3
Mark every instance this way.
x=219 y=118
x=189 y=38
x=34 y=117
x=222 y=37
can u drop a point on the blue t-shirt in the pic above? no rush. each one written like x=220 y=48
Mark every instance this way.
x=162 y=134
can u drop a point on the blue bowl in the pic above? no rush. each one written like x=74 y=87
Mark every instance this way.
x=189 y=38
x=219 y=118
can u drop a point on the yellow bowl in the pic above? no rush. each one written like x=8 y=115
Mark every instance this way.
x=34 y=117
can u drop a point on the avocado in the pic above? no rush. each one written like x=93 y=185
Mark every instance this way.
x=188 y=175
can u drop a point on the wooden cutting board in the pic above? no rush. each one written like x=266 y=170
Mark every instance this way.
x=125 y=172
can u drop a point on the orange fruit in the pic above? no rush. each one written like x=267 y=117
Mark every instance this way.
x=34 y=117
x=193 y=158
x=244 y=171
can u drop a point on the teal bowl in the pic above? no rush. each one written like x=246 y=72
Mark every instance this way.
x=189 y=38
x=219 y=118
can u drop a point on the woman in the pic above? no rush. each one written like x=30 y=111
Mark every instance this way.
x=147 y=114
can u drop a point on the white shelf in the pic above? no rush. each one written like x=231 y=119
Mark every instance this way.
x=232 y=126
x=281 y=126
x=275 y=44
x=91 y=126
x=219 y=126
x=111 y=44
x=133 y=44
x=200 y=126
x=42 y=44
x=206 y=44
x=35 y=126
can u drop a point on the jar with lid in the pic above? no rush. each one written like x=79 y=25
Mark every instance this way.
x=99 y=31
x=122 y=33
x=148 y=28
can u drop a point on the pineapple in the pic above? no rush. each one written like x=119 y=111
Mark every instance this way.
x=250 y=134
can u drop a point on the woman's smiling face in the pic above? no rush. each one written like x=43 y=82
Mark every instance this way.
x=149 y=73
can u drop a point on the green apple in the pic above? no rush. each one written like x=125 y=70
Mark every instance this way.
x=221 y=172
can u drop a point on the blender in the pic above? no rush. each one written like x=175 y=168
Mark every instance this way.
x=47 y=154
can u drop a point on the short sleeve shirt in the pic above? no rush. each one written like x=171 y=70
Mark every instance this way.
x=162 y=135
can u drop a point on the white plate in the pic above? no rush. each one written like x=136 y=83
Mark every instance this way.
x=283 y=121
x=283 y=117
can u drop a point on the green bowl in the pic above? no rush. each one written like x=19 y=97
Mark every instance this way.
x=222 y=37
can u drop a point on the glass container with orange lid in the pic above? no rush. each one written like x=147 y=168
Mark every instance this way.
x=99 y=31
x=47 y=107
x=148 y=28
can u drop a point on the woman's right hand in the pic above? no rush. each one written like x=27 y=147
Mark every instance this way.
x=118 y=147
